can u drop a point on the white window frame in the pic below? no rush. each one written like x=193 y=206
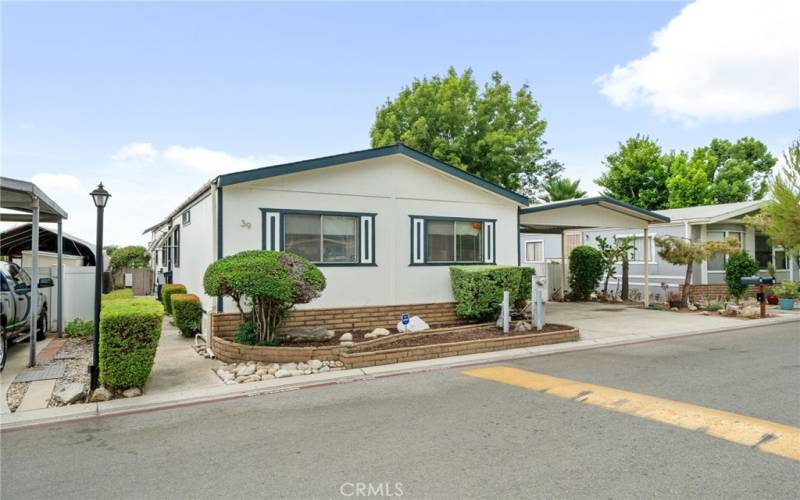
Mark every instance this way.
x=725 y=234
x=651 y=250
x=525 y=254
x=419 y=236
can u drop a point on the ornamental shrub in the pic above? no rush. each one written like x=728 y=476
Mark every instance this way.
x=247 y=334
x=585 y=271
x=129 y=334
x=133 y=256
x=166 y=292
x=79 y=328
x=188 y=313
x=478 y=290
x=273 y=282
x=739 y=265
x=123 y=293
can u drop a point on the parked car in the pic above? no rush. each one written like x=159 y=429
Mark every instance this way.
x=15 y=307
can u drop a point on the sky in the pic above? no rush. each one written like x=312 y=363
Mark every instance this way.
x=153 y=99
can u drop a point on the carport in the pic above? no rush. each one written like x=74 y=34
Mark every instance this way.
x=597 y=212
x=31 y=204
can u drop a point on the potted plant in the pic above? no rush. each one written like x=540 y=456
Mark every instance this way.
x=675 y=300
x=772 y=297
x=788 y=292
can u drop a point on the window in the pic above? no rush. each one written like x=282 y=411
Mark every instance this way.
x=763 y=251
x=637 y=252
x=453 y=241
x=717 y=261
x=186 y=218
x=176 y=246
x=781 y=260
x=534 y=251
x=322 y=238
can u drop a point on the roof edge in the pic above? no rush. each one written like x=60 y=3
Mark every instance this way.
x=594 y=200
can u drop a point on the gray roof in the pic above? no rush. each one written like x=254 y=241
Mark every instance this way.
x=712 y=213
x=16 y=194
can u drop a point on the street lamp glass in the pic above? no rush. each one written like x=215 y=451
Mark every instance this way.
x=100 y=196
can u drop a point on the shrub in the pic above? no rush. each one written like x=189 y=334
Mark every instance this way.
x=247 y=334
x=124 y=293
x=166 y=292
x=788 y=290
x=739 y=265
x=129 y=333
x=272 y=281
x=133 y=256
x=188 y=313
x=585 y=271
x=713 y=305
x=79 y=328
x=478 y=290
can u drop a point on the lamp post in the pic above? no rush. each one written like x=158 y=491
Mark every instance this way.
x=100 y=197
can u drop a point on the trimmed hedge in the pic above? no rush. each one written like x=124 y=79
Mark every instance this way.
x=129 y=334
x=166 y=292
x=586 y=267
x=478 y=290
x=79 y=328
x=188 y=313
x=739 y=265
x=123 y=293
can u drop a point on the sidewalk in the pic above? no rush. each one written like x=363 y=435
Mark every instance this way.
x=181 y=377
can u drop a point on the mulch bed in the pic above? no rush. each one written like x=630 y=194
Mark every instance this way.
x=479 y=333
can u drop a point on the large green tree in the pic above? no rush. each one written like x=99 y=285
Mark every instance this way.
x=637 y=173
x=494 y=133
x=562 y=188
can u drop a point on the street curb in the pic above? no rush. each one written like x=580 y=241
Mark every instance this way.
x=144 y=404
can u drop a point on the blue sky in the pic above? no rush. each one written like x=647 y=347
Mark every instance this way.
x=153 y=99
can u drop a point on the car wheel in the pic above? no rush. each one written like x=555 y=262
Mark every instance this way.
x=41 y=327
x=3 y=348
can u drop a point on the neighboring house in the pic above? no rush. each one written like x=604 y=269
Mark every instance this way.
x=383 y=225
x=704 y=223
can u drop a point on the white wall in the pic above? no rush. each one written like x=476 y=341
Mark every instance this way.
x=47 y=259
x=394 y=188
x=78 y=294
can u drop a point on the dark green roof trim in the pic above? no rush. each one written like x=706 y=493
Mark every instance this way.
x=594 y=200
x=367 y=154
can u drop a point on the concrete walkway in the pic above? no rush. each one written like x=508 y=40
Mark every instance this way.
x=16 y=362
x=182 y=377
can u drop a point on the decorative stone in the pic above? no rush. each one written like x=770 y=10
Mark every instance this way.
x=415 y=324
x=303 y=367
x=306 y=334
x=522 y=326
x=100 y=394
x=282 y=373
x=133 y=392
x=346 y=343
x=69 y=393
x=674 y=309
x=315 y=364
x=307 y=372
x=224 y=374
x=338 y=363
x=230 y=382
x=751 y=312
x=295 y=373
x=346 y=336
x=325 y=369
x=267 y=376
x=378 y=332
x=289 y=366
x=251 y=378
x=246 y=370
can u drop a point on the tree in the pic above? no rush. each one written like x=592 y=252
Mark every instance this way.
x=780 y=219
x=612 y=254
x=637 y=174
x=689 y=181
x=495 y=134
x=562 y=188
x=110 y=249
x=683 y=252
x=273 y=282
x=585 y=271
x=132 y=256
x=737 y=267
x=627 y=245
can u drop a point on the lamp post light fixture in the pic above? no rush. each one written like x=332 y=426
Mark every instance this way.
x=100 y=197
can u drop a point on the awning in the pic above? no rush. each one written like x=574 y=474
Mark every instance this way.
x=594 y=212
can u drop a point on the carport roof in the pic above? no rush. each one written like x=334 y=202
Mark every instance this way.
x=594 y=212
x=18 y=195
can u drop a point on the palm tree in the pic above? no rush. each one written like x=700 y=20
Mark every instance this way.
x=562 y=188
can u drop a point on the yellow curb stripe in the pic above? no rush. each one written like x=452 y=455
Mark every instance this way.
x=771 y=437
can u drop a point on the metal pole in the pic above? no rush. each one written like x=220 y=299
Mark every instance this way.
x=762 y=302
x=34 y=280
x=98 y=283
x=505 y=305
x=60 y=291
x=563 y=268
x=646 y=268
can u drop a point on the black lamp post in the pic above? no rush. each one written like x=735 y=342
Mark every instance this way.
x=100 y=197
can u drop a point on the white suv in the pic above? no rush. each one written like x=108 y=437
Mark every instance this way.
x=15 y=307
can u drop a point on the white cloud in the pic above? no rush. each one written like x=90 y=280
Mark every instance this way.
x=56 y=182
x=135 y=150
x=717 y=60
x=208 y=161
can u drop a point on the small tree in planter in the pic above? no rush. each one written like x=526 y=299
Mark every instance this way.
x=739 y=266
x=683 y=252
x=613 y=254
x=273 y=282
x=585 y=271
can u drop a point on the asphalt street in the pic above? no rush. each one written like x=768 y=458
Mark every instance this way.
x=443 y=434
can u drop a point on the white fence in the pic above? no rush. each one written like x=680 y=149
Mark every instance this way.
x=78 y=293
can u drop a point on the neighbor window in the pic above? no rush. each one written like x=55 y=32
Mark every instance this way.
x=717 y=261
x=534 y=251
x=636 y=254
x=763 y=251
x=176 y=246
x=322 y=238
x=187 y=218
x=453 y=241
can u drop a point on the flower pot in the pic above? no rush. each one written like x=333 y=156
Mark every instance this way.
x=772 y=300
x=786 y=304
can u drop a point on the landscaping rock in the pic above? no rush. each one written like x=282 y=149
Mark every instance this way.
x=346 y=339
x=378 y=332
x=295 y=373
x=224 y=374
x=730 y=310
x=133 y=392
x=267 y=376
x=69 y=393
x=523 y=326
x=415 y=324
x=325 y=369
x=315 y=364
x=100 y=394
x=306 y=334
x=282 y=373
x=674 y=309
x=246 y=370
x=751 y=312
x=692 y=307
x=288 y=366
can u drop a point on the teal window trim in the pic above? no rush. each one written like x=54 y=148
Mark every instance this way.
x=423 y=249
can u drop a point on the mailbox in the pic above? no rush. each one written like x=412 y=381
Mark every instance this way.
x=757 y=280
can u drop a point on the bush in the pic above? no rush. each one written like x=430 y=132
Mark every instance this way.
x=124 y=293
x=129 y=334
x=739 y=265
x=133 y=256
x=585 y=271
x=188 y=313
x=713 y=305
x=247 y=334
x=788 y=290
x=478 y=290
x=166 y=293
x=79 y=328
x=272 y=281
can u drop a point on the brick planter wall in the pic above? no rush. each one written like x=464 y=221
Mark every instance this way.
x=348 y=318
x=720 y=292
